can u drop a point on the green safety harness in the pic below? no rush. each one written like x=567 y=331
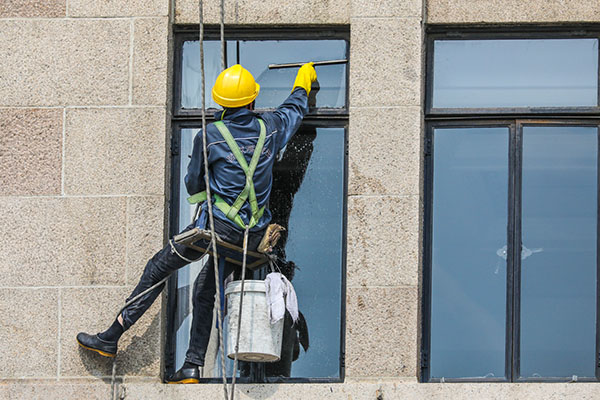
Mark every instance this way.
x=248 y=193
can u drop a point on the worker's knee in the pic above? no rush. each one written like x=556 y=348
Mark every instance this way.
x=204 y=299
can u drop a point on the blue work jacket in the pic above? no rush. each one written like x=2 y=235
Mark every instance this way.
x=226 y=176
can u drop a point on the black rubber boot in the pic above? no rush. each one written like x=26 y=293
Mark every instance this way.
x=185 y=375
x=94 y=343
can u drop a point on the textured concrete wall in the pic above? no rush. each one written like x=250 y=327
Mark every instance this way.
x=512 y=11
x=376 y=389
x=384 y=175
x=265 y=12
x=83 y=133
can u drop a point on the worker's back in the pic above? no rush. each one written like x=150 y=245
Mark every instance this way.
x=227 y=178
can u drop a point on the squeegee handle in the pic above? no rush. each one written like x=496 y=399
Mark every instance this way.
x=315 y=63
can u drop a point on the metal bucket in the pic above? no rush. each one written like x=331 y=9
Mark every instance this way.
x=260 y=341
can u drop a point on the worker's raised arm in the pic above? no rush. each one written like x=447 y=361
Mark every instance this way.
x=194 y=179
x=288 y=116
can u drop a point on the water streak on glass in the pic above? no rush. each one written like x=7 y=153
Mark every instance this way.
x=515 y=73
x=307 y=198
x=558 y=283
x=468 y=301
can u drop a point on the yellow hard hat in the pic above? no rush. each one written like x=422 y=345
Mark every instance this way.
x=235 y=87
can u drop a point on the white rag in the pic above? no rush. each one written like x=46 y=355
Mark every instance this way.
x=280 y=295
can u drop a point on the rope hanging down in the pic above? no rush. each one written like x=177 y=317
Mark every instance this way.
x=213 y=242
x=210 y=212
x=207 y=182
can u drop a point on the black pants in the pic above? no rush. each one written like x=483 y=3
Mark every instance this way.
x=165 y=262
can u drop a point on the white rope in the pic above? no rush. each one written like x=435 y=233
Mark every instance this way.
x=222 y=35
x=113 y=387
x=239 y=321
x=209 y=199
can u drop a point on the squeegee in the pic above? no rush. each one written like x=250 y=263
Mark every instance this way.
x=315 y=63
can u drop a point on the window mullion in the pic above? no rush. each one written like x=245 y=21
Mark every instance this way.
x=516 y=250
x=597 y=358
x=510 y=255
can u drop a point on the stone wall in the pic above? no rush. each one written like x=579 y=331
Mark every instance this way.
x=84 y=128
x=83 y=136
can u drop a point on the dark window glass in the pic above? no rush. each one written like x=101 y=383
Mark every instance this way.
x=307 y=199
x=515 y=73
x=276 y=84
x=558 y=257
x=468 y=309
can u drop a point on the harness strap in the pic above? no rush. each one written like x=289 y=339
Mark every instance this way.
x=248 y=193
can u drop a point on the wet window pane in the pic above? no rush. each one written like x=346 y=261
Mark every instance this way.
x=276 y=84
x=558 y=272
x=307 y=198
x=515 y=73
x=468 y=301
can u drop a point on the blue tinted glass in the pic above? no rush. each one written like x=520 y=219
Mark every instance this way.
x=276 y=84
x=558 y=271
x=468 y=302
x=311 y=169
x=191 y=78
x=515 y=73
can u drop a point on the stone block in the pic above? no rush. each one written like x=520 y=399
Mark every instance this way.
x=384 y=151
x=50 y=62
x=387 y=8
x=29 y=334
x=383 y=241
x=496 y=11
x=93 y=310
x=381 y=332
x=118 y=8
x=32 y=8
x=266 y=12
x=385 y=67
x=150 y=59
x=62 y=241
x=55 y=390
x=368 y=389
x=30 y=151
x=115 y=151
x=145 y=224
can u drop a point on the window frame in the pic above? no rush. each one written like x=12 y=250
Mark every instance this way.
x=514 y=119
x=475 y=32
x=191 y=118
x=211 y=32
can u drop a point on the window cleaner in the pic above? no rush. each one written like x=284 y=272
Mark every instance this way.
x=240 y=147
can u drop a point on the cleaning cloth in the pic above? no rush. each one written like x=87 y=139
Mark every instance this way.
x=280 y=296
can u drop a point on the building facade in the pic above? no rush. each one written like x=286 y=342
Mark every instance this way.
x=87 y=116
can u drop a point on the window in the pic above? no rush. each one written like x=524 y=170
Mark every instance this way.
x=511 y=207
x=308 y=196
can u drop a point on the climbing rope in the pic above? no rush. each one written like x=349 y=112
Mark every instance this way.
x=113 y=380
x=239 y=321
x=207 y=182
x=222 y=23
x=213 y=242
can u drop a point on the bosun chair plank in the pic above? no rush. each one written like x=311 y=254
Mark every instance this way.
x=199 y=239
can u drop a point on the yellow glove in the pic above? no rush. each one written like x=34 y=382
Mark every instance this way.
x=306 y=76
